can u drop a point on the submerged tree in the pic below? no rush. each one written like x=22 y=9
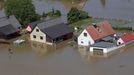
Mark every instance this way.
x=75 y=15
x=24 y=10
x=53 y=13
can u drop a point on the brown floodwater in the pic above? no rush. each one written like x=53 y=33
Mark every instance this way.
x=111 y=9
x=32 y=58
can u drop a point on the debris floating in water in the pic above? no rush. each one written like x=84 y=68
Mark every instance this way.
x=19 y=41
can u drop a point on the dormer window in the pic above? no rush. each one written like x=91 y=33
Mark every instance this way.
x=37 y=30
x=85 y=34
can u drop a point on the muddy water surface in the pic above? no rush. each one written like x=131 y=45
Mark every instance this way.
x=38 y=59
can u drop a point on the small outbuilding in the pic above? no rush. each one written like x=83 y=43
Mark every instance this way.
x=104 y=47
x=9 y=27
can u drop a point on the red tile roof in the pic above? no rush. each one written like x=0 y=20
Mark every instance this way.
x=102 y=30
x=127 y=37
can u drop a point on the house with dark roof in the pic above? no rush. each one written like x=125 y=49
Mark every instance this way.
x=32 y=25
x=51 y=31
x=9 y=27
x=95 y=32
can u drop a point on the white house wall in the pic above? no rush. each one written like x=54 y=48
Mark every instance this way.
x=38 y=34
x=86 y=40
x=120 y=41
x=105 y=50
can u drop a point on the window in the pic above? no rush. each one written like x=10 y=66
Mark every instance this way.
x=85 y=34
x=19 y=27
x=41 y=37
x=119 y=43
x=97 y=51
x=34 y=36
x=37 y=30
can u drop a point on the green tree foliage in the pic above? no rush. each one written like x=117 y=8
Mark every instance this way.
x=44 y=15
x=53 y=13
x=75 y=15
x=57 y=12
x=22 y=9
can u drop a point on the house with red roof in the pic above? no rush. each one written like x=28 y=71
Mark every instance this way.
x=125 y=39
x=95 y=32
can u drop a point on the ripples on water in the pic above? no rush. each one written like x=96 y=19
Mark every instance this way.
x=34 y=58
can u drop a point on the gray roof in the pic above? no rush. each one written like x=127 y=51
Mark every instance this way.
x=53 y=28
x=108 y=38
x=50 y=23
x=3 y=18
x=103 y=44
x=57 y=30
x=13 y=21
x=46 y=22
x=4 y=22
x=2 y=14
x=9 y=25
x=8 y=29
x=33 y=24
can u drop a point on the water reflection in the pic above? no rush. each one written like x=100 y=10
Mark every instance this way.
x=93 y=57
x=103 y=2
x=73 y=3
x=42 y=49
x=84 y=53
x=111 y=9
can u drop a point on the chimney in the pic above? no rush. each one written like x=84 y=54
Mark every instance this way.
x=94 y=24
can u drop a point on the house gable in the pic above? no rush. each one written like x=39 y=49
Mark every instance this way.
x=38 y=35
x=28 y=28
x=85 y=39
x=120 y=42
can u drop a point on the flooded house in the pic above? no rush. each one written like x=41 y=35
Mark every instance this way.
x=51 y=31
x=95 y=33
x=9 y=27
x=127 y=38
x=105 y=46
